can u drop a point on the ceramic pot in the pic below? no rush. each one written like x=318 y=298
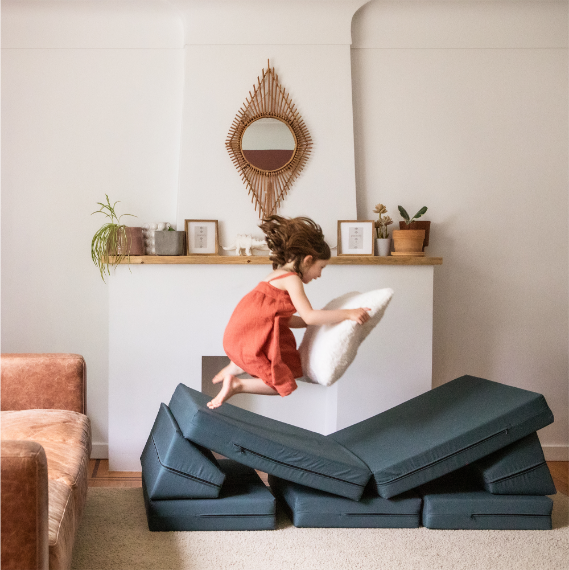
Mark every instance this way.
x=382 y=246
x=422 y=225
x=134 y=243
x=169 y=243
x=408 y=241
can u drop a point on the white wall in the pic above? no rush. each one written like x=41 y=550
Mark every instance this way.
x=223 y=62
x=462 y=107
x=90 y=105
x=210 y=183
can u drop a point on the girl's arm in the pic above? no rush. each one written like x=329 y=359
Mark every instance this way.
x=310 y=316
x=296 y=323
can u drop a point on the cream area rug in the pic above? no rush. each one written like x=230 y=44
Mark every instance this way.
x=114 y=536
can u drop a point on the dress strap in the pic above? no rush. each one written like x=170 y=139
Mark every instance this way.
x=281 y=276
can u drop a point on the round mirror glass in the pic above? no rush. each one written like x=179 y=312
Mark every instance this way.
x=268 y=144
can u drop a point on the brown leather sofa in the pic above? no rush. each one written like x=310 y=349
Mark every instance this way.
x=46 y=445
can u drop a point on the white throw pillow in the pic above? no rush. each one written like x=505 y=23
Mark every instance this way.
x=326 y=351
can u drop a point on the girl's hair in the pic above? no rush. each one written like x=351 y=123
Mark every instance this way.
x=292 y=239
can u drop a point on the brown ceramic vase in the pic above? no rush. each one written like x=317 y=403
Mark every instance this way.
x=134 y=243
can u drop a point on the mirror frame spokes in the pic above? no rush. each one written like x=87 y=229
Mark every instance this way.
x=268 y=188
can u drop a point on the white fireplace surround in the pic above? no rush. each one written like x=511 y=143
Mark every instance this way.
x=164 y=319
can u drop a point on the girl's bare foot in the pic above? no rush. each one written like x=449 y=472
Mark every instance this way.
x=231 y=369
x=229 y=388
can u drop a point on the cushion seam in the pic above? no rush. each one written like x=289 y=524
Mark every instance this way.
x=181 y=473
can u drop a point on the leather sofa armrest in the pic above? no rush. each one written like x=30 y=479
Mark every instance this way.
x=44 y=381
x=24 y=511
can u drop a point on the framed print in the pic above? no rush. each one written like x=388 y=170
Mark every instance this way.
x=201 y=237
x=355 y=237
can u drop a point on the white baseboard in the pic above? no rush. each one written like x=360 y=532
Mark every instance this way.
x=556 y=452
x=100 y=451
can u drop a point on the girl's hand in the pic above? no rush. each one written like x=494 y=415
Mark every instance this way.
x=361 y=316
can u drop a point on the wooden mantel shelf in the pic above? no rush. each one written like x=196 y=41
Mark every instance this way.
x=264 y=260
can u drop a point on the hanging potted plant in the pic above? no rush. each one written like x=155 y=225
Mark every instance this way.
x=382 y=239
x=411 y=237
x=114 y=241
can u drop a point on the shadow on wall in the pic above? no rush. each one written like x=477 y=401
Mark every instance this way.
x=465 y=341
x=211 y=365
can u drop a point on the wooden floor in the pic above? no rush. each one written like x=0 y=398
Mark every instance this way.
x=100 y=476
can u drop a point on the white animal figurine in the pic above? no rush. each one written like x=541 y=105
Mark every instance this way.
x=246 y=243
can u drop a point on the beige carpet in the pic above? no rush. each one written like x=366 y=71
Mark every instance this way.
x=114 y=536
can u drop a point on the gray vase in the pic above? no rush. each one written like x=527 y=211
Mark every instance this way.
x=169 y=243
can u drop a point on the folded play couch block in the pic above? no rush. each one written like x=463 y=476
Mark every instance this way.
x=244 y=503
x=443 y=430
x=418 y=441
x=289 y=452
x=457 y=502
x=175 y=468
x=309 y=508
x=518 y=469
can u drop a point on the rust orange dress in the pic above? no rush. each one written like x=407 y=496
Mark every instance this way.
x=259 y=340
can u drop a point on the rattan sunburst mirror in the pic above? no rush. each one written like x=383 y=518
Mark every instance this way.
x=268 y=143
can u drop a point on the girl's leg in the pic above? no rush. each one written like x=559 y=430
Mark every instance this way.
x=233 y=385
x=231 y=368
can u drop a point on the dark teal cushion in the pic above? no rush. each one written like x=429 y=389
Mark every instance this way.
x=309 y=508
x=175 y=468
x=289 y=452
x=244 y=503
x=456 y=502
x=518 y=469
x=443 y=430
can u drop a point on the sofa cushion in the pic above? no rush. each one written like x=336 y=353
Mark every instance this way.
x=66 y=439
x=174 y=467
x=65 y=436
x=443 y=430
x=24 y=385
x=269 y=445
x=518 y=469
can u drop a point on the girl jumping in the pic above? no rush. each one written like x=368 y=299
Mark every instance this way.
x=258 y=339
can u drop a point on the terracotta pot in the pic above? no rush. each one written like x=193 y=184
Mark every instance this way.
x=408 y=241
x=423 y=225
x=134 y=242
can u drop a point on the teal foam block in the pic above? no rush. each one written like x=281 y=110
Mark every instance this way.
x=244 y=503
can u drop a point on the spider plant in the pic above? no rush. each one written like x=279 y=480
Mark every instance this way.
x=110 y=243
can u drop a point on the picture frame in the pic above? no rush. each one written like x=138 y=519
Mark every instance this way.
x=355 y=237
x=201 y=237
